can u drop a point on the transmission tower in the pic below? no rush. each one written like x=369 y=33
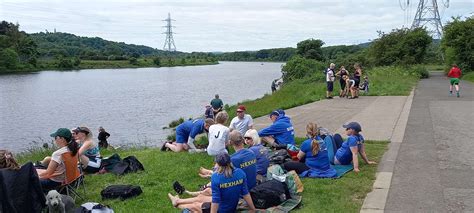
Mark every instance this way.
x=169 y=42
x=427 y=15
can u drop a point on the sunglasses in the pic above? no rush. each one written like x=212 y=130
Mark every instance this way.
x=247 y=138
x=79 y=129
x=240 y=111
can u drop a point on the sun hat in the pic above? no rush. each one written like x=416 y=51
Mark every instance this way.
x=62 y=132
x=353 y=125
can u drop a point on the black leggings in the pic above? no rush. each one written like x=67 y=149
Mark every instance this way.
x=295 y=165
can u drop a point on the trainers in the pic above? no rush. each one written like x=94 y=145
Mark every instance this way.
x=450 y=92
x=164 y=148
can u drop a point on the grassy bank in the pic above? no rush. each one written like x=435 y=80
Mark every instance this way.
x=468 y=77
x=162 y=168
x=113 y=64
x=384 y=81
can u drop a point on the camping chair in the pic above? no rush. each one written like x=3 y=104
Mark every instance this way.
x=74 y=176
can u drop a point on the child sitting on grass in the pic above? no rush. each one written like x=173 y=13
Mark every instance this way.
x=365 y=85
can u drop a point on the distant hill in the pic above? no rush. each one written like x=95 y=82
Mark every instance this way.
x=69 y=45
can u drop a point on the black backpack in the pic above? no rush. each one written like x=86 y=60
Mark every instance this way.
x=268 y=194
x=120 y=191
x=128 y=164
x=279 y=157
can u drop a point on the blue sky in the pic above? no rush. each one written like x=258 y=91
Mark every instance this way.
x=221 y=25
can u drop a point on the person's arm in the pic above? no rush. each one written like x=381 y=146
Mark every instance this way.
x=364 y=155
x=250 y=122
x=355 y=159
x=249 y=201
x=86 y=146
x=49 y=172
x=272 y=130
x=338 y=73
x=214 y=207
x=107 y=135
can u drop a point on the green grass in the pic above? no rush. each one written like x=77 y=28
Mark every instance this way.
x=468 y=77
x=162 y=168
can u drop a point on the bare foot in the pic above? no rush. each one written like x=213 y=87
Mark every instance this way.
x=174 y=199
x=204 y=176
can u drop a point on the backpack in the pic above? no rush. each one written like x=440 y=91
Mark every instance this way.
x=269 y=193
x=93 y=208
x=109 y=163
x=120 y=191
x=279 y=157
x=128 y=164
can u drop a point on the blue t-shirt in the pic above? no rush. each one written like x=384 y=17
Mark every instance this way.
x=319 y=161
x=261 y=154
x=190 y=129
x=344 y=154
x=226 y=191
x=246 y=160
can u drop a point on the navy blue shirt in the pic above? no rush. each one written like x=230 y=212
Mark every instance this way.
x=261 y=154
x=226 y=191
x=246 y=160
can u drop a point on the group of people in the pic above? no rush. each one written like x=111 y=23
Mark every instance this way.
x=233 y=176
x=77 y=142
x=350 y=84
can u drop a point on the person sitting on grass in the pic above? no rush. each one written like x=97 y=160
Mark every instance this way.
x=354 y=145
x=228 y=185
x=186 y=134
x=365 y=85
x=281 y=132
x=218 y=135
x=55 y=174
x=89 y=151
x=7 y=161
x=313 y=156
x=243 y=159
x=242 y=122
x=253 y=142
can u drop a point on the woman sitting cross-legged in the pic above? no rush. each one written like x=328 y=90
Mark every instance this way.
x=314 y=154
x=253 y=141
x=228 y=184
x=89 y=150
x=55 y=174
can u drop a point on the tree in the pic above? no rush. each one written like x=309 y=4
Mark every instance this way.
x=400 y=47
x=458 y=43
x=133 y=61
x=8 y=59
x=157 y=61
x=298 y=67
x=310 y=49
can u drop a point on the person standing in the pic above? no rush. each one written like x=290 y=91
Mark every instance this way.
x=455 y=73
x=330 y=80
x=357 y=75
x=274 y=86
x=242 y=122
x=102 y=137
x=217 y=104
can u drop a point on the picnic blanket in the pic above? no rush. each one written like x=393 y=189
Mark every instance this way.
x=286 y=206
x=342 y=169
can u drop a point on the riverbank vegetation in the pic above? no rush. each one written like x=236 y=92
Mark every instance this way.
x=20 y=51
x=163 y=168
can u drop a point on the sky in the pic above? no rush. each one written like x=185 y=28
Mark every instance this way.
x=222 y=25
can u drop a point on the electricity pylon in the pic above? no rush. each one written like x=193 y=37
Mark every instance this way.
x=169 y=42
x=427 y=15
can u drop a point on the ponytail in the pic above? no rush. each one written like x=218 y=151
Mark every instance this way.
x=73 y=146
x=313 y=131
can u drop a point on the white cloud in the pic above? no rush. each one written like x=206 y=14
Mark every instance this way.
x=219 y=25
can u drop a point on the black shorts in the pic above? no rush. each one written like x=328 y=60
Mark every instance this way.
x=330 y=86
x=357 y=82
x=343 y=84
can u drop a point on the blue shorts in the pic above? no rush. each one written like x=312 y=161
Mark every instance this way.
x=181 y=136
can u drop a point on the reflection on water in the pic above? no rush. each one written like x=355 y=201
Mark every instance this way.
x=133 y=105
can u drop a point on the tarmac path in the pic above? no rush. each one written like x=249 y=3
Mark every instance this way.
x=434 y=169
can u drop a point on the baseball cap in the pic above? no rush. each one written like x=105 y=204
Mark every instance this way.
x=241 y=108
x=82 y=129
x=274 y=113
x=62 y=132
x=223 y=159
x=353 y=125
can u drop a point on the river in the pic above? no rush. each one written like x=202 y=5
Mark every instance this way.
x=133 y=105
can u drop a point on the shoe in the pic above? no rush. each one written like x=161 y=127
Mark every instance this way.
x=164 y=148
x=450 y=92
x=356 y=97
x=178 y=188
x=328 y=97
x=350 y=98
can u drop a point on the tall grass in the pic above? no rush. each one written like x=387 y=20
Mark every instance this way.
x=468 y=77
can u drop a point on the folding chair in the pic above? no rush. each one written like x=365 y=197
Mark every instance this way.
x=74 y=176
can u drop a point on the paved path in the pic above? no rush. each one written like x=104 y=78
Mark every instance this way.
x=378 y=115
x=434 y=170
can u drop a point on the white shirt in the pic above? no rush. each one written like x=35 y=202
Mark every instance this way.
x=61 y=169
x=218 y=136
x=329 y=75
x=241 y=125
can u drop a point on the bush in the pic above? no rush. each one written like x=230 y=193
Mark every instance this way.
x=8 y=58
x=157 y=61
x=65 y=63
x=298 y=67
x=133 y=61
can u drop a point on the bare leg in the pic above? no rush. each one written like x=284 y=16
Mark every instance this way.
x=194 y=207
x=457 y=87
x=269 y=140
x=176 y=147
x=84 y=161
x=450 y=88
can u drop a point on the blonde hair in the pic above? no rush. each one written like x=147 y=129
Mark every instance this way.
x=222 y=117
x=252 y=133
x=7 y=161
x=226 y=170
x=313 y=130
